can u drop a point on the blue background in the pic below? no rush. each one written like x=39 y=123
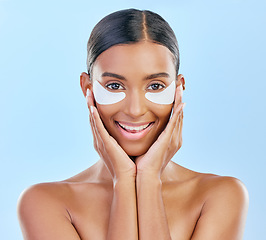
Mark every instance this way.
x=44 y=128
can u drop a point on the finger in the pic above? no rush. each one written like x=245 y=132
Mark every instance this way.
x=178 y=97
x=173 y=144
x=115 y=157
x=100 y=129
x=176 y=139
x=90 y=103
x=90 y=99
x=173 y=120
x=99 y=147
x=181 y=130
x=98 y=136
x=180 y=137
x=165 y=136
x=98 y=144
x=95 y=141
x=178 y=122
x=105 y=141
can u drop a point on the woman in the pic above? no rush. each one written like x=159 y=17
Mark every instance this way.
x=134 y=94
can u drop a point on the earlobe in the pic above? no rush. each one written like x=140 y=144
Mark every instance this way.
x=85 y=83
x=181 y=80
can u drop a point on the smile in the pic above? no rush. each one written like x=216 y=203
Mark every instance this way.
x=134 y=131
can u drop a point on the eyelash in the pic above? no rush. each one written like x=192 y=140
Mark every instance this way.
x=112 y=84
x=159 y=85
x=120 y=87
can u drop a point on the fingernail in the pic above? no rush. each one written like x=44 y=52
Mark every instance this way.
x=91 y=107
x=88 y=93
x=184 y=104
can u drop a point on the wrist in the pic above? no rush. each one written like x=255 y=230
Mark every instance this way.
x=148 y=174
x=124 y=176
x=149 y=178
x=124 y=181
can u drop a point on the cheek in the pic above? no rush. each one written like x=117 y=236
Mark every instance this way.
x=106 y=112
x=162 y=113
x=165 y=113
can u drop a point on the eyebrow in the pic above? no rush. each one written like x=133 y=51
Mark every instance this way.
x=156 y=75
x=114 y=75
x=152 y=76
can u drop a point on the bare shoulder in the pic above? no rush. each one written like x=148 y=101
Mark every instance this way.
x=41 y=207
x=223 y=187
x=210 y=186
x=58 y=196
x=42 y=193
x=224 y=209
x=42 y=197
x=220 y=204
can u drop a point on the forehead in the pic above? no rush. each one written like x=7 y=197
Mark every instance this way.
x=135 y=59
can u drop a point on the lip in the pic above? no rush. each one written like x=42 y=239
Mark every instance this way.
x=134 y=135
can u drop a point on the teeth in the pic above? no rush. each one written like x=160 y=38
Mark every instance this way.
x=130 y=128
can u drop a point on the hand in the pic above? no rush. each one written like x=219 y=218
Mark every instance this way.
x=168 y=143
x=116 y=160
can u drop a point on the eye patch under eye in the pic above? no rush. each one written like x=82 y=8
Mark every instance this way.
x=166 y=96
x=105 y=97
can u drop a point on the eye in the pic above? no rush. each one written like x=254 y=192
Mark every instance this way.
x=156 y=86
x=114 y=86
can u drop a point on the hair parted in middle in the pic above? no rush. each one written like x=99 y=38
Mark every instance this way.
x=127 y=27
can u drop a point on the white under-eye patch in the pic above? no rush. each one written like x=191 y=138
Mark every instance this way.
x=105 y=97
x=166 y=96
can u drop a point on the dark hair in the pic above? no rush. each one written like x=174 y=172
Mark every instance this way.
x=130 y=26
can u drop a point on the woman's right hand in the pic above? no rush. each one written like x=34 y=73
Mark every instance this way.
x=115 y=158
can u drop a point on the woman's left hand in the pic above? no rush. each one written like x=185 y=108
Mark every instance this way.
x=164 y=148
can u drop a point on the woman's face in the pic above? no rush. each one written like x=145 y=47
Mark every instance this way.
x=135 y=69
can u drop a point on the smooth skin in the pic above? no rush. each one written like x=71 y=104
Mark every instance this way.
x=135 y=191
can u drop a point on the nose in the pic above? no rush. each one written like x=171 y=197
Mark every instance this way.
x=135 y=104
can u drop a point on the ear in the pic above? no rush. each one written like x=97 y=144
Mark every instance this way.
x=181 y=81
x=85 y=83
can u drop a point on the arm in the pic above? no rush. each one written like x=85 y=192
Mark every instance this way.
x=123 y=214
x=43 y=217
x=224 y=213
x=152 y=218
x=151 y=212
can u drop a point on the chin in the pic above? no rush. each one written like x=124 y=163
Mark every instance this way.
x=135 y=150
